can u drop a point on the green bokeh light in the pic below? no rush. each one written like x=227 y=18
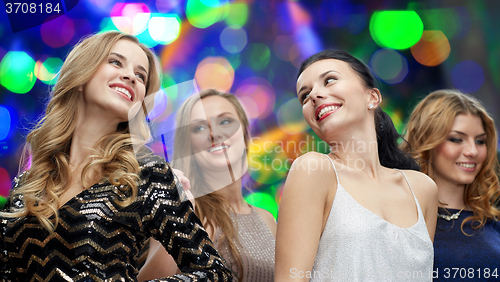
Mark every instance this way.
x=3 y=201
x=234 y=60
x=107 y=25
x=164 y=28
x=49 y=69
x=396 y=29
x=268 y=162
x=259 y=56
x=170 y=86
x=238 y=14
x=202 y=14
x=263 y=201
x=17 y=72
x=446 y=20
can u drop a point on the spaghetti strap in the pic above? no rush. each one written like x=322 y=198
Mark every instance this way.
x=407 y=182
x=336 y=174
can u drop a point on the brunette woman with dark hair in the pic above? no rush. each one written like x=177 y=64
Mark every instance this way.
x=362 y=212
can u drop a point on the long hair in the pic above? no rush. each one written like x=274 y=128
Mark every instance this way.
x=429 y=126
x=212 y=209
x=390 y=155
x=50 y=141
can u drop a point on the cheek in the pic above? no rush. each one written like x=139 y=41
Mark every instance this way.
x=198 y=142
x=308 y=111
x=444 y=154
x=483 y=153
x=238 y=139
x=141 y=93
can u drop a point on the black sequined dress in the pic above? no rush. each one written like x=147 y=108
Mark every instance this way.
x=97 y=240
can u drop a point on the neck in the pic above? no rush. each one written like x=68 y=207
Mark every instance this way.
x=359 y=151
x=87 y=132
x=233 y=195
x=450 y=195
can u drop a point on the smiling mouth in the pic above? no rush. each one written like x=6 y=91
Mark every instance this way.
x=466 y=165
x=217 y=148
x=327 y=110
x=123 y=91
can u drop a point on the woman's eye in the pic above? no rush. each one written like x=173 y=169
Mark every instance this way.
x=198 y=128
x=455 y=140
x=141 y=77
x=225 y=121
x=304 y=97
x=480 y=142
x=329 y=79
x=115 y=62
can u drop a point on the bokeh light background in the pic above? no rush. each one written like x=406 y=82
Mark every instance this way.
x=252 y=48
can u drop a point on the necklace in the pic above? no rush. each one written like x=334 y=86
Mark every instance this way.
x=453 y=216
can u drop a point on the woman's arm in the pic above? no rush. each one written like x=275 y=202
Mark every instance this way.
x=158 y=263
x=426 y=192
x=168 y=216
x=6 y=269
x=302 y=216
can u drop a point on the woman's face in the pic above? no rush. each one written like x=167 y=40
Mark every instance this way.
x=460 y=157
x=118 y=84
x=333 y=96
x=216 y=135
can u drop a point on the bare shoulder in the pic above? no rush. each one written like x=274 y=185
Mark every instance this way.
x=420 y=181
x=423 y=186
x=312 y=164
x=268 y=219
x=312 y=170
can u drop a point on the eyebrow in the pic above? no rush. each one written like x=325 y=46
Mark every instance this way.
x=225 y=114
x=461 y=133
x=219 y=115
x=125 y=59
x=320 y=76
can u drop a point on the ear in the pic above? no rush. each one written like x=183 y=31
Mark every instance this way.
x=80 y=88
x=374 y=99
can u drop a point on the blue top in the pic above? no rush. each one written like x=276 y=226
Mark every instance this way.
x=475 y=258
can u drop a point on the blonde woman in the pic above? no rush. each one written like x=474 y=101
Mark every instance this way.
x=87 y=205
x=455 y=140
x=210 y=145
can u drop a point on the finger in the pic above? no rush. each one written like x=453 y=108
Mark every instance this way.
x=185 y=183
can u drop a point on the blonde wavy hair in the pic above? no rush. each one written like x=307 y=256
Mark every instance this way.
x=49 y=143
x=429 y=126
x=212 y=209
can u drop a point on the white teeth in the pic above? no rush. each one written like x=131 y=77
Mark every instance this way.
x=124 y=91
x=217 y=148
x=466 y=165
x=326 y=110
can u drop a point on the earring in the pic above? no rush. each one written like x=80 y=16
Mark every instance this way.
x=370 y=106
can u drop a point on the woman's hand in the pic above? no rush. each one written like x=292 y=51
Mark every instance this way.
x=185 y=184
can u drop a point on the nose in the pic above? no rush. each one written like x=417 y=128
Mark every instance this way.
x=128 y=75
x=316 y=95
x=216 y=135
x=471 y=150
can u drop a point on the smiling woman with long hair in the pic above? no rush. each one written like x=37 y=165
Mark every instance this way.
x=455 y=140
x=211 y=140
x=361 y=212
x=87 y=204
